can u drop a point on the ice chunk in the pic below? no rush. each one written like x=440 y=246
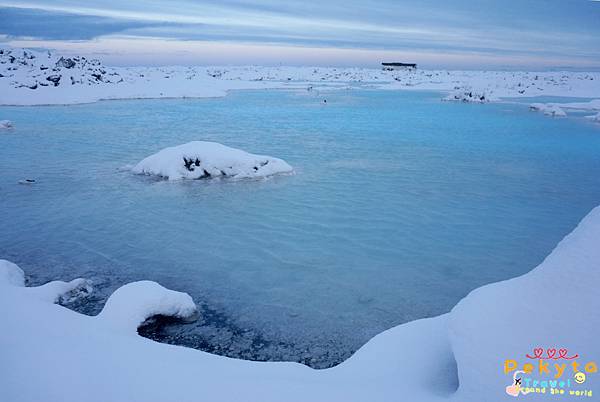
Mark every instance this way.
x=203 y=160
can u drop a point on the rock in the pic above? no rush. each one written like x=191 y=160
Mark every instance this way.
x=66 y=63
x=55 y=79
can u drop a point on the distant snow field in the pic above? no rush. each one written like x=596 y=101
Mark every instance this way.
x=30 y=77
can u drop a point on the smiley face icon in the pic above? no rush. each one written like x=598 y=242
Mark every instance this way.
x=579 y=377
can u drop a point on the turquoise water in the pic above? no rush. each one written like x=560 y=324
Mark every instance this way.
x=401 y=205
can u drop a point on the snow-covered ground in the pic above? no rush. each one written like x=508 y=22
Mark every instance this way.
x=30 y=77
x=203 y=160
x=51 y=353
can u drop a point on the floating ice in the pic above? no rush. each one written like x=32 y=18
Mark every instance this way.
x=595 y=118
x=204 y=160
x=549 y=109
x=6 y=124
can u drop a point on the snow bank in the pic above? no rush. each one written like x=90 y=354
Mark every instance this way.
x=132 y=304
x=549 y=109
x=5 y=124
x=554 y=306
x=11 y=274
x=203 y=160
x=52 y=292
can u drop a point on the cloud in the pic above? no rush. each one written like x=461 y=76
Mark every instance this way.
x=539 y=28
x=41 y=24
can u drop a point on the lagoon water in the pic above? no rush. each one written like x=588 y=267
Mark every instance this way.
x=401 y=205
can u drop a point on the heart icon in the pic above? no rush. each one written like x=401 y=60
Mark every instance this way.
x=562 y=353
x=513 y=390
x=537 y=353
x=551 y=353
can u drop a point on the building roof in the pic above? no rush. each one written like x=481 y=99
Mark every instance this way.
x=399 y=64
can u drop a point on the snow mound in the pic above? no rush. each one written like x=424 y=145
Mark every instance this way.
x=469 y=95
x=54 y=292
x=549 y=109
x=132 y=304
x=204 y=160
x=6 y=124
x=63 y=292
x=11 y=274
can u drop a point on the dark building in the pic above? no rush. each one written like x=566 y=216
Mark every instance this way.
x=399 y=66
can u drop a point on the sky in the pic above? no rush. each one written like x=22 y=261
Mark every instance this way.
x=472 y=34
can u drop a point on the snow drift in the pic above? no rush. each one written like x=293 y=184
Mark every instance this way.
x=205 y=160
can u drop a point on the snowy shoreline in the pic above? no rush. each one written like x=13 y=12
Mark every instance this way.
x=454 y=357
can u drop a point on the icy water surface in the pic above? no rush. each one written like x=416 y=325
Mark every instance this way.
x=401 y=205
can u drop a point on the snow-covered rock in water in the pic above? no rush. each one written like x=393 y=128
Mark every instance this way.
x=132 y=304
x=549 y=109
x=203 y=160
x=469 y=95
x=5 y=124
